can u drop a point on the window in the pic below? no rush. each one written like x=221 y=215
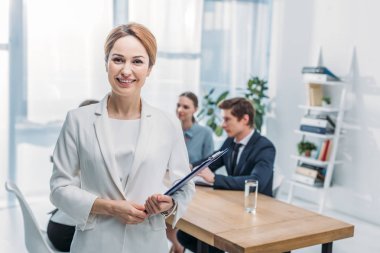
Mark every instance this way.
x=235 y=43
x=204 y=44
x=64 y=65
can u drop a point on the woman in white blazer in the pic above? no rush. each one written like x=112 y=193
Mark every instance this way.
x=111 y=158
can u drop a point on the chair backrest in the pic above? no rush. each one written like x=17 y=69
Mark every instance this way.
x=34 y=239
x=278 y=179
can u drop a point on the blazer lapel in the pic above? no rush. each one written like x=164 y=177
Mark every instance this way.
x=246 y=151
x=143 y=140
x=106 y=148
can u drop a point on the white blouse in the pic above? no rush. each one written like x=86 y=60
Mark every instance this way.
x=124 y=135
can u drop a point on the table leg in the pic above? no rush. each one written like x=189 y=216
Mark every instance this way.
x=202 y=247
x=327 y=247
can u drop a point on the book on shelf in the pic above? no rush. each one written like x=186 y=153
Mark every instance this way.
x=316 y=130
x=307 y=180
x=311 y=166
x=316 y=125
x=312 y=173
x=325 y=149
x=321 y=70
x=317 y=122
x=317 y=78
x=321 y=169
x=321 y=150
x=330 y=118
x=315 y=94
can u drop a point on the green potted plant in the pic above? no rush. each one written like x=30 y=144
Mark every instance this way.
x=210 y=111
x=256 y=93
x=305 y=147
x=326 y=101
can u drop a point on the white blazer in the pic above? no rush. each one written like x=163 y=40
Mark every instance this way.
x=84 y=169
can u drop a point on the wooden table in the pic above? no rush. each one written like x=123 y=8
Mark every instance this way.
x=217 y=217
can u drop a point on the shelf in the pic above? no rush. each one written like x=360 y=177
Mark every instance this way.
x=326 y=83
x=309 y=187
x=319 y=108
x=313 y=161
x=317 y=86
x=321 y=136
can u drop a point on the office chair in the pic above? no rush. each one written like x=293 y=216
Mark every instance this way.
x=35 y=240
x=278 y=179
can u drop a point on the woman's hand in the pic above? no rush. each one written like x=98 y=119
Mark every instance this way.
x=158 y=203
x=127 y=212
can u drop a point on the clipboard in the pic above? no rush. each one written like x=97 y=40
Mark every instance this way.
x=195 y=171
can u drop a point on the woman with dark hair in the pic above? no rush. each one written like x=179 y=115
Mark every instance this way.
x=198 y=141
x=198 y=138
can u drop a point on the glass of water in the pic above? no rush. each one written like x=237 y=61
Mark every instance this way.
x=250 y=195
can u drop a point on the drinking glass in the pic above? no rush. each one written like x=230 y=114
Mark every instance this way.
x=250 y=195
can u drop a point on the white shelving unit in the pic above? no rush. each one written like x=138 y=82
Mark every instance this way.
x=338 y=110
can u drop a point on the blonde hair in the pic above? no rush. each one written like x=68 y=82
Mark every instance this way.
x=136 y=30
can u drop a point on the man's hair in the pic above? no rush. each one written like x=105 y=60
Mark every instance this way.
x=240 y=107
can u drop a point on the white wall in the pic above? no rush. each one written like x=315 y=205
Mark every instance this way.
x=300 y=28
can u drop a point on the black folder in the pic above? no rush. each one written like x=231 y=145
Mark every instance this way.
x=195 y=171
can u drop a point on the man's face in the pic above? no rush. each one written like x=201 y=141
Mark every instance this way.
x=234 y=127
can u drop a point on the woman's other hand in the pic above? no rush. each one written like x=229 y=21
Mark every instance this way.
x=127 y=212
x=158 y=203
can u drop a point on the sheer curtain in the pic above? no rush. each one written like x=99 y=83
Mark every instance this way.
x=65 y=65
x=65 y=55
x=177 y=27
x=203 y=45
x=235 y=43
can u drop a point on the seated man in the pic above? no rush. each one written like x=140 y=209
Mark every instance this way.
x=251 y=156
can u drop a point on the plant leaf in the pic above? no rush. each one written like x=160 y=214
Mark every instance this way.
x=222 y=97
x=218 y=131
x=201 y=112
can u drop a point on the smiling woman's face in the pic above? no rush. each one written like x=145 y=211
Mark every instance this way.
x=127 y=66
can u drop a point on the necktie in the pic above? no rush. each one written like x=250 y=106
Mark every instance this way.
x=235 y=153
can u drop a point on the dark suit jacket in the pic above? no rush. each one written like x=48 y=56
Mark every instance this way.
x=256 y=162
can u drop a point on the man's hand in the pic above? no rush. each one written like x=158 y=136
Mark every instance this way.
x=158 y=203
x=207 y=175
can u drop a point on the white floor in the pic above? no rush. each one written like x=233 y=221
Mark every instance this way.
x=12 y=238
